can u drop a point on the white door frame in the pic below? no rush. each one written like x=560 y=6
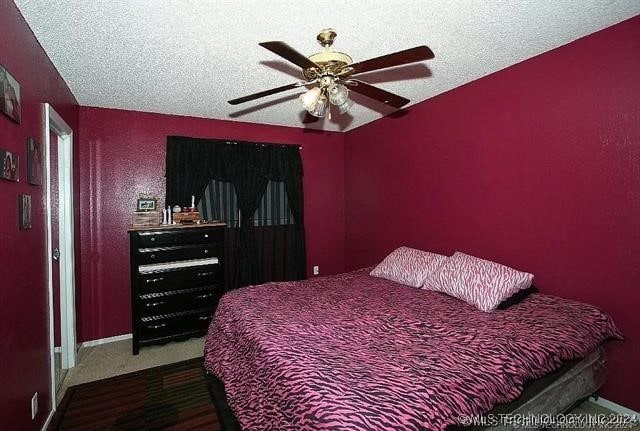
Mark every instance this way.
x=53 y=121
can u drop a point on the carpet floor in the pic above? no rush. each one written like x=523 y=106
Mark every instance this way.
x=170 y=397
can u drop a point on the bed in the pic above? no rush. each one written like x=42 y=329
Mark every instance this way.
x=358 y=352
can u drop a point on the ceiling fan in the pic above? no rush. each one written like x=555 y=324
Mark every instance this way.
x=333 y=72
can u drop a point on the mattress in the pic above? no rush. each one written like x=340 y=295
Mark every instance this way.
x=551 y=394
x=358 y=352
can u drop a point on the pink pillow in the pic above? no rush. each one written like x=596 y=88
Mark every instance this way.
x=481 y=283
x=408 y=266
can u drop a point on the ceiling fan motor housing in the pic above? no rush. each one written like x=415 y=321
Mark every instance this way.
x=330 y=62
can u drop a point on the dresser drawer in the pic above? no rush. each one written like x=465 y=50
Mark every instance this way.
x=184 y=252
x=175 y=325
x=154 y=304
x=161 y=281
x=168 y=238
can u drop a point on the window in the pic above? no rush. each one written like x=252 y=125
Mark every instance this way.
x=219 y=202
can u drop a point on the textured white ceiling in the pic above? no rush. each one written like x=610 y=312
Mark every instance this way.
x=189 y=57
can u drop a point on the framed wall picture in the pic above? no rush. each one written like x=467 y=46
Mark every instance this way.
x=34 y=162
x=10 y=102
x=10 y=164
x=24 y=212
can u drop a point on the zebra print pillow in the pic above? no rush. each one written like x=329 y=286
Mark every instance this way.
x=408 y=266
x=479 y=282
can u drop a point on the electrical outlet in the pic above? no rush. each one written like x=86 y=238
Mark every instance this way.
x=316 y=270
x=34 y=405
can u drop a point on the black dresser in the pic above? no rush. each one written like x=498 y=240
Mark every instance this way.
x=177 y=278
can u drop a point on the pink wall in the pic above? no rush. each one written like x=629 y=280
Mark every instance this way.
x=536 y=166
x=123 y=153
x=24 y=324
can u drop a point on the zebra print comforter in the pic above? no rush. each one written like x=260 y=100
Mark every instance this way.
x=355 y=352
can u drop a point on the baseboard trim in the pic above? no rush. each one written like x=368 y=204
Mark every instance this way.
x=48 y=421
x=602 y=402
x=92 y=343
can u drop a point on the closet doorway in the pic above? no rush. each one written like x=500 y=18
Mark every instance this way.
x=60 y=246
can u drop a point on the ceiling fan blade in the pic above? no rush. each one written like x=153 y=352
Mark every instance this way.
x=377 y=93
x=412 y=55
x=266 y=93
x=288 y=53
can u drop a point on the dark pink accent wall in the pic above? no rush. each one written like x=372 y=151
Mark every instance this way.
x=122 y=153
x=24 y=321
x=536 y=166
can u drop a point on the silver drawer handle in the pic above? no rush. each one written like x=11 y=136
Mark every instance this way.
x=205 y=296
x=204 y=318
x=153 y=304
x=152 y=256
x=206 y=251
x=154 y=280
x=206 y=235
x=158 y=326
x=152 y=239
x=204 y=274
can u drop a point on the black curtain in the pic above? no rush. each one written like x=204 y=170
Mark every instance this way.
x=192 y=162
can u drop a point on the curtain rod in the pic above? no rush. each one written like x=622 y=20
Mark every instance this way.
x=264 y=145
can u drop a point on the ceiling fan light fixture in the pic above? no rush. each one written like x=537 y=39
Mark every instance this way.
x=320 y=108
x=338 y=94
x=344 y=108
x=310 y=98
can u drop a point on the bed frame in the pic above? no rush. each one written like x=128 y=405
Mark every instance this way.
x=557 y=392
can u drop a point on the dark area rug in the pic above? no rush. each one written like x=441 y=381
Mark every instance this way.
x=170 y=397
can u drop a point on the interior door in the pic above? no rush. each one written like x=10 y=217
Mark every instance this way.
x=54 y=199
x=60 y=250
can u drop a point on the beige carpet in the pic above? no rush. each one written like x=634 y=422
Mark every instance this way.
x=114 y=359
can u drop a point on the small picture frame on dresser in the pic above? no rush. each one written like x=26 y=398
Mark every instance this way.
x=146 y=204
